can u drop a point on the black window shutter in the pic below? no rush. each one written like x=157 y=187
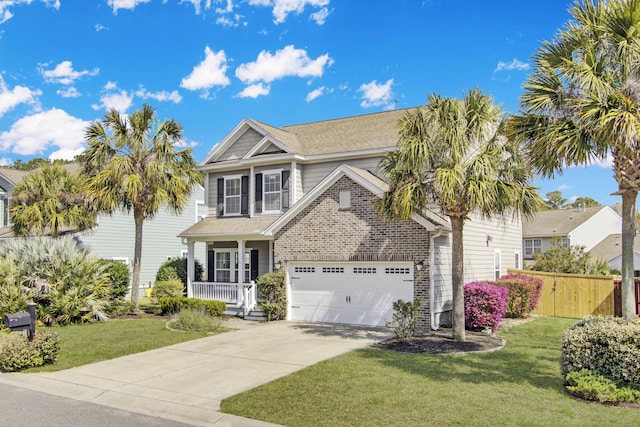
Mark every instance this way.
x=258 y=192
x=254 y=264
x=285 y=189
x=211 y=265
x=220 y=196
x=244 y=195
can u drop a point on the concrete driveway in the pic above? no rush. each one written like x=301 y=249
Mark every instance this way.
x=186 y=382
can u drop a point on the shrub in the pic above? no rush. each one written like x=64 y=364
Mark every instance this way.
x=167 y=289
x=18 y=353
x=405 y=317
x=591 y=386
x=67 y=282
x=175 y=304
x=484 y=305
x=196 y=319
x=523 y=294
x=271 y=289
x=120 y=278
x=608 y=346
x=176 y=268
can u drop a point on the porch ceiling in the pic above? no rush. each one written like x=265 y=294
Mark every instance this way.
x=229 y=228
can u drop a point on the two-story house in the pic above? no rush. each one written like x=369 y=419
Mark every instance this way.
x=576 y=226
x=303 y=198
x=113 y=237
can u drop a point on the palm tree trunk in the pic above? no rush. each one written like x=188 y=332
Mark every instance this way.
x=457 y=278
x=628 y=235
x=137 y=256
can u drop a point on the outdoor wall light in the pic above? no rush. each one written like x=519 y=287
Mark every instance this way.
x=277 y=265
x=419 y=265
x=489 y=238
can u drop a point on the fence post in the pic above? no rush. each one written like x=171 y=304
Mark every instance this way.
x=31 y=308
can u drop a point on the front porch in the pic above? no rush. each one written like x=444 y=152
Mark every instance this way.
x=241 y=299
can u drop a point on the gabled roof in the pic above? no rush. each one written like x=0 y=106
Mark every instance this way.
x=558 y=222
x=361 y=177
x=14 y=176
x=370 y=132
x=611 y=247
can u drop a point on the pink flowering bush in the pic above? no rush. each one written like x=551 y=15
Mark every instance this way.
x=484 y=305
x=523 y=294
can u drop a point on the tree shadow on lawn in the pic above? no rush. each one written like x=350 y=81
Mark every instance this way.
x=531 y=356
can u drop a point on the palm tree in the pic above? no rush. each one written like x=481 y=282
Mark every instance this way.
x=131 y=163
x=48 y=200
x=454 y=154
x=582 y=104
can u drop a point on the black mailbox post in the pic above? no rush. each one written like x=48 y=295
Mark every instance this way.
x=25 y=321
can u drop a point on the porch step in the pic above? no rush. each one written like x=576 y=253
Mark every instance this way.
x=255 y=315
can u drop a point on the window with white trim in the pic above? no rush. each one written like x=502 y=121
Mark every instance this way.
x=272 y=190
x=532 y=246
x=565 y=242
x=232 y=195
x=201 y=210
x=497 y=264
x=226 y=267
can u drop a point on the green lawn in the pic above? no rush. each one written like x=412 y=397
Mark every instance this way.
x=520 y=385
x=89 y=343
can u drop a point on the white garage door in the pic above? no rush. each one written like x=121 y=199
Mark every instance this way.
x=360 y=293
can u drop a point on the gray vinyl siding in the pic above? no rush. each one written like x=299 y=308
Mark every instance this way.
x=241 y=146
x=506 y=236
x=114 y=237
x=313 y=173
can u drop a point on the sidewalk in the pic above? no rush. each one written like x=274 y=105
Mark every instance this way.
x=186 y=382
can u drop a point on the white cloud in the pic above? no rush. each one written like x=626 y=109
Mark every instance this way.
x=64 y=73
x=513 y=65
x=316 y=93
x=160 y=96
x=209 y=73
x=6 y=14
x=320 y=16
x=5 y=161
x=120 y=100
x=375 y=94
x=282 y=8
x=37 y=133
x=16 y=96
x=125 y=4
x=197 y=4
x=286 y=62
x=563 y=187
x=231 y=21
x=68 y=92
x=255 y=90
x=606 y=163
x=227 y=9
x=100 y=27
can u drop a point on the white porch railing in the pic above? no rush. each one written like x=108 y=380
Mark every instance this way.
x=244 y=295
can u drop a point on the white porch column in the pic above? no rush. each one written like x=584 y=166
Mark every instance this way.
x=190 y=267
x=240 y=275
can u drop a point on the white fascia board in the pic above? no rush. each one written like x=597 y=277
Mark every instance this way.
x=258 y=235
x=373 y=152
x=247 y=163
x=228 y=140
x=324 y=185
x=267 y=140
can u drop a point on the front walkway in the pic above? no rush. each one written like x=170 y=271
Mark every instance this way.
x=186 y=382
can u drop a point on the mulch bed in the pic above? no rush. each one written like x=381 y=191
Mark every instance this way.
x=441 y=342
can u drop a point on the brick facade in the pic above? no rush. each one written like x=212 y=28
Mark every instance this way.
x=324 y=232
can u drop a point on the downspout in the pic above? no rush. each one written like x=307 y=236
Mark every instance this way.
x=432 y=258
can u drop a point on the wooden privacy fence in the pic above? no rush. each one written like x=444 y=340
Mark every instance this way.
x=573 y=295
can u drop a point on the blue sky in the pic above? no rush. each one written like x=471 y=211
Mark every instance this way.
x=210 y=63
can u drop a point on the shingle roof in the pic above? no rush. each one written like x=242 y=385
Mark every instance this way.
x=13 y=175
x=611 y=247
x=356 y=133
x=557 y=222
x=212 y=226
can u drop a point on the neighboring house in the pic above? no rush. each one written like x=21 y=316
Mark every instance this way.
x=114 y=236
x=610 y=250
x=577 y=227
x=303 y=198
